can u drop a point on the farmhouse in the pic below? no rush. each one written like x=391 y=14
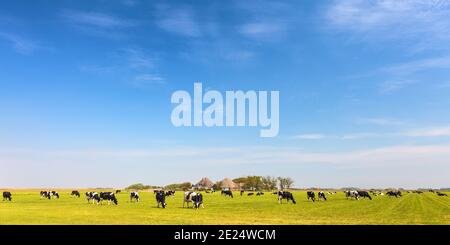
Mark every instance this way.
x=228 y=184
x=204 y=184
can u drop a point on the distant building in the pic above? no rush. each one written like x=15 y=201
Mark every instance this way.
x=228 y=184
x=203 y=184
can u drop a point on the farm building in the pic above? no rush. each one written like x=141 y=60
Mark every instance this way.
x=228 y=184
x=204 y=184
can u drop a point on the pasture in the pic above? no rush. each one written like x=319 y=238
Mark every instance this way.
x=28 y=208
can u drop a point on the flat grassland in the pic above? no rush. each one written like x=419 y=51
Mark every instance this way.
x=28 y=208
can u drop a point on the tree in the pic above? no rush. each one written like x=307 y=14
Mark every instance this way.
x=250 y=182
x=180 y=186
x=269 y=183
x=285 y=182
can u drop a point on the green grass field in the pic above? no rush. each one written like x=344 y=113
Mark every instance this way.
x=28 y=208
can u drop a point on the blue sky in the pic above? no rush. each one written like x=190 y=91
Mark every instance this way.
x=86 y=85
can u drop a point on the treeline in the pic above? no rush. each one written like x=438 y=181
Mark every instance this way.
x=140 y=186
x=254 y=183
x=259 y=183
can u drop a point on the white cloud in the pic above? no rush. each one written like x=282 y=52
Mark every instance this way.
x=411 y=67
x=381 y=121
x=420 y=24
x=143 y=80
x=310 y=136
x=355 y=136
x=19 y=44
x=258 y=30
x=178 y=20
x=96 y=19
x=98 y=24
x=429 y=132
x=391 y=86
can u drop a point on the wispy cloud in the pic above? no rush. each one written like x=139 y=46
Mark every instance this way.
x=358 y=136
x=143 y=80
x=407 y=68
x=391 y=86
x=178 y=20
x=262 y=30
x=138 y=59
x=19 y=44
x=425 y=21
x=380 y=121
x=97 y=23
x=309 y=136
x=428 y=132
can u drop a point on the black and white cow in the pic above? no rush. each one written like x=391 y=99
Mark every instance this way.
x=134 y=195
x=227 y=193
x=364 y=194
x=250 y=194
x=195 y=198
x=93 y=196
x=394 y=194
x=75 y=193
x=351 y=194
x=170 y=193
x=260 y=193
x=118 y=191
x=49 y=194
x=311 y=195
x=108 y=196
x=285 y=195
x=441 y=194
x=321 y=195
x=161 y=199
x=45 y=194
x=7 y=196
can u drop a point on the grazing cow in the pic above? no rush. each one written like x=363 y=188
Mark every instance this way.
x=441 y=194
x=311 y=195
x=170 y=193
x=134 y=195
x=161 y=199
x=108 y=196
x=7 y=196
x=250 y=194
x=285 y=195
x=49 y=194
x=195 y=198
x=55 y=194
x=260 y=193
x=118 y=191
x=394 y=194
x=352 y=194
x=46 y=194
x=227 y=193
x=75 y=193
x=364 y=194
x=93 y=196
x=321 y=195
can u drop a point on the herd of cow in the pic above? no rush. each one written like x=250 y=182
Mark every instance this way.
x=196 y=198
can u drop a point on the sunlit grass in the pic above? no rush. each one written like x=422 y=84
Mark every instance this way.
x=28 y=208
